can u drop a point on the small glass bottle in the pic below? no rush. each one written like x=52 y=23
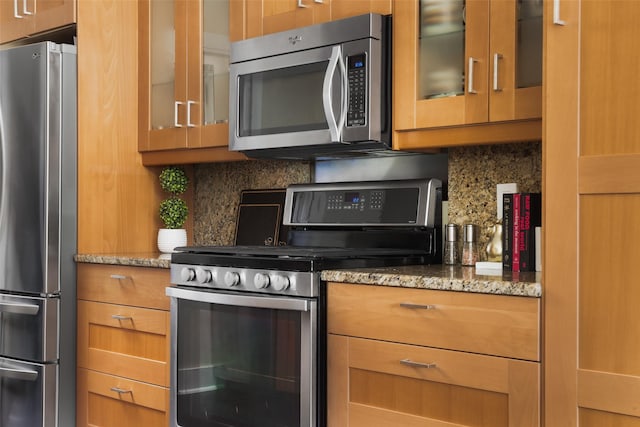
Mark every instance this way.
x=451 y=245
x=470 y=251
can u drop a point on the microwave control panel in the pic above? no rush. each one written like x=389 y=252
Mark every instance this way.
x=357 y=75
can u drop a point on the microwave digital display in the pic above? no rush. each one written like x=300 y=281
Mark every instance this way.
x=357 y=75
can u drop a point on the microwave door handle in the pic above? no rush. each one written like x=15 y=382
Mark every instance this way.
x=334 y=130
x=345 y=93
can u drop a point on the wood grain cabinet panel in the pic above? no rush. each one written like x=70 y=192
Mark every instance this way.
x=387 y=384
x=23 y=18
x=490 y=324
x=143 y=287
x=477 y=97
x=123 y=346
x=389 y=364
x=107 y=400
x=130 y=342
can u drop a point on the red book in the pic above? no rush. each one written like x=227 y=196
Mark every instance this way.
x=515 y=251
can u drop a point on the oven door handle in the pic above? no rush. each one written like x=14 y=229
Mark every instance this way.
x=270 y=302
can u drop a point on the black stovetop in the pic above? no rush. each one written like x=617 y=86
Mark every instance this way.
x=298 y=258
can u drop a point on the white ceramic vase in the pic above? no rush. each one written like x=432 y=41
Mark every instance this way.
x=171 y=238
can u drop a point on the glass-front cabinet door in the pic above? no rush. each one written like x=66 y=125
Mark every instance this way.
x=516 y=61
x=455 y=59
x=184 y=84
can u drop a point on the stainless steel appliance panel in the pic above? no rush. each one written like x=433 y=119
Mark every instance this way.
x=242 y=359
x=28 y=327
x=38 y=233
x=24 y=167
x=27 y=394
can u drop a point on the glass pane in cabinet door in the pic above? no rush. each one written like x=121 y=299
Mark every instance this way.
x=162 y=64
x=441 y=31
x=529 y=64
x=215 y=73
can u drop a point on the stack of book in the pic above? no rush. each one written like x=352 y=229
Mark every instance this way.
x=521 y=214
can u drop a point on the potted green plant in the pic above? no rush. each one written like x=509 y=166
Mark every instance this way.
x=173 y=210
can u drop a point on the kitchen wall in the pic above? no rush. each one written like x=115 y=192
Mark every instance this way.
x=473 y=175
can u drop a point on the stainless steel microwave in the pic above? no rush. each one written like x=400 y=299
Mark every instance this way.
x=318 y=91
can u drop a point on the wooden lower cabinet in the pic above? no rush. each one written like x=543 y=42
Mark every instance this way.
x=123 y=346
x=107 y=400
x=388 y=384
x=412 y=357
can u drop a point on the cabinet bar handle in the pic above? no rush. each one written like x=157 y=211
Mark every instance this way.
x=556 y=13
x=470 y=86
x=15 y=10
x=118 y=276
x=189 y=104
x=24 y=8
x=496 y=59
x=414 y=306
x=409 y=362
x=120 y=390
x=121 y=317
x=300 y=4
x=175 y=114
x=319 y=1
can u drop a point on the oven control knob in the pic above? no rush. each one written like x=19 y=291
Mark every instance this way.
x=280 y=283
x=187 y=274
x=231 y=278
x=203 y=276
x=261 y=280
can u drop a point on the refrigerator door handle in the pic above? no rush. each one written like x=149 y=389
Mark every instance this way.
x=18 y=374
x=17 y=308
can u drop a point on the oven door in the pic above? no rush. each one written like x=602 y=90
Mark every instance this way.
x=242 y=360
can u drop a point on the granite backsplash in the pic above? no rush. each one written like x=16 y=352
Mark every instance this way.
x=473 y=173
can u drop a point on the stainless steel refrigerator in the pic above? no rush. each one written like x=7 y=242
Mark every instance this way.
x=38 y=235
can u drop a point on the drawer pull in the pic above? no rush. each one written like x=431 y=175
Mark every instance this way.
x=121 y=390
x=121 y=317
x=414 y=306
x=118 y=276
x=413 y=364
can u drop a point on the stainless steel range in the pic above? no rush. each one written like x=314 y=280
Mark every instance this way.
x=248 y=322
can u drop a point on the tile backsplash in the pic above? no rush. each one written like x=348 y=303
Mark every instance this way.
x=473 y=175
x=218 y=187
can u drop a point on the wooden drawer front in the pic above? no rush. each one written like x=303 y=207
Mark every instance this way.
x=489 y=324
x=459 y=388
x=125 y=341
x=139 y=286
x=136 y=405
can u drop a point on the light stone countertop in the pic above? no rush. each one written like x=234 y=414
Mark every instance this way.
x=442 y=277
x=436 y=277
x=156 y=259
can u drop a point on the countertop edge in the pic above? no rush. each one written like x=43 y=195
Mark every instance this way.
x=135 y=260
x=477 y=284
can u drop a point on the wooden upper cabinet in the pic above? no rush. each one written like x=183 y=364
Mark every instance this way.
x=462 y=63
x=184 y=73
x=22 y=18
x=272 y=16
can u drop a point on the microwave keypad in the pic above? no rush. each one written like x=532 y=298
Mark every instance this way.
x=357 y=75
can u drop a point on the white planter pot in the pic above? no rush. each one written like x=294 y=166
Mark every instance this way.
x=171 y=238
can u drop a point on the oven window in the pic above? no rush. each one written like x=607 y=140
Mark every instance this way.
x=237 y=366
x=282 y=100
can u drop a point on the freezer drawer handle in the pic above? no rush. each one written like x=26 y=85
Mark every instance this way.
x=18 y=374
x=121 y=390
x=17 y=308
